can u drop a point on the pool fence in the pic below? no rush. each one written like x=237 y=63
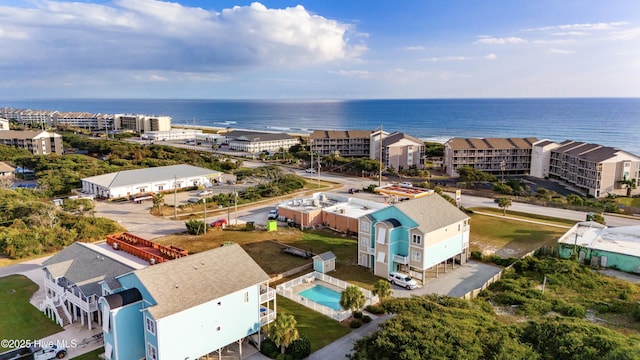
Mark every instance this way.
x=291 y=288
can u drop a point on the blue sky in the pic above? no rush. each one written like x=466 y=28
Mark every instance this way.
x=319 y=49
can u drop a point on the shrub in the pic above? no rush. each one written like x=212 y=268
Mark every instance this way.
x=300 y=348
x=375 y=309
x=476 y=255
x=366 y=319
x=269 y=348
x=357 y=314
x=355 y=323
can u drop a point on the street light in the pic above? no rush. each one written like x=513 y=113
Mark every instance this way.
x=503 y=165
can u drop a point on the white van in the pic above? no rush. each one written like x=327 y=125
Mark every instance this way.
x=402 y=280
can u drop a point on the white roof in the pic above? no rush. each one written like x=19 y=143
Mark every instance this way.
x=621 y=240
x=140 y=176
x=330 y=202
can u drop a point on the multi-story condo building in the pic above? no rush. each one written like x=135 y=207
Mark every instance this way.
x=84 y=120
x=255 y=142
x=402 y=151
x=498 y=156
x=592 y=169
x=4 y=124
x=414 y=237
x=142 y=123
x=345 y=143
x=37 y=142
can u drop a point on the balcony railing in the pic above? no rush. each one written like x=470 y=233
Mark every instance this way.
x=404 y=260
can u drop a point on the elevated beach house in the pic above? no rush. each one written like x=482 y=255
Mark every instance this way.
x=187 y=308
x=73 y=281
x=414 y=237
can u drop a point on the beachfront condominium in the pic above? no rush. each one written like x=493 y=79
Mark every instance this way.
x=498 y=156
x=345 y=143
x=37 y=142
x=589 y=169
x=142 y=123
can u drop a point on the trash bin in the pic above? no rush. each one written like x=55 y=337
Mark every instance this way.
x=250 y=225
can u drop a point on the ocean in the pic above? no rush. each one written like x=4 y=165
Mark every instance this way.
x=605 y=121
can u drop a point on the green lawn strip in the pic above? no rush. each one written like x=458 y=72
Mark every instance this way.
x=635 y=202
x=527 y=216
x=20 y=319
x=319 y=329
x=92 y=355
x=495 y=233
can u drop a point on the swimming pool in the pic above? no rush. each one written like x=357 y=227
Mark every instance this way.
x=323 y=296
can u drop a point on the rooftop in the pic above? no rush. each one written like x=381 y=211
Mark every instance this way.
x=621 y=240
x=330 y=202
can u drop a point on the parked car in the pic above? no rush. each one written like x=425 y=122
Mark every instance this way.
x=205 y=193
x=219 y=223
x=273 y=214
x=193 y=200
x=402 y=280
x=407 y=184
x=354 y=190
x=311 y=170
x=36 y=353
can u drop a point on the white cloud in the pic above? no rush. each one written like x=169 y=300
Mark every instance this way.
x=488 y=40
x=362 y=74
x=560 y=51
x=166 y=36
x=584 y=26
x=415 y=48
x=491 y=56
x=448 y=58
x=570 y=33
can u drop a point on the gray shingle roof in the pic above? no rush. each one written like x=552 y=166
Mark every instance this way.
x=141 y=176
x=86 y=267
x=431 y=212
x=397 y=136
x=192 y=280
x=328 y=255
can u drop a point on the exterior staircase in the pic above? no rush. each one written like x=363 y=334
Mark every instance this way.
x=62 y=315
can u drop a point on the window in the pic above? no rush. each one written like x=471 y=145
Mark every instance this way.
x=151 y=352
x=382 y=235
x=150 y=325
x=364 y=242
x=364 y=226
x=381 y=256
x=415 y=256
x=416 y=239
x=246 y=296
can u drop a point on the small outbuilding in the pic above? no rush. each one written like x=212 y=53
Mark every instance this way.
x=324 y=262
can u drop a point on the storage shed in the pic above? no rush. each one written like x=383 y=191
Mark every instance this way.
x=324 y=262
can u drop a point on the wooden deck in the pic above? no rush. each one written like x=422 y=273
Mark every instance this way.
x=144 y=249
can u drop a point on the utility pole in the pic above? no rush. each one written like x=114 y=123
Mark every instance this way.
x=380 y=169
x=204 y=220
x=318 y=172
x=235 y=195
x=175 y=195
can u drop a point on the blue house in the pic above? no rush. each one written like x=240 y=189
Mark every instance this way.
x=414 y=237
x=188 y=307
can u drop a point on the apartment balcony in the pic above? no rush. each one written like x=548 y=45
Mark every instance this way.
x=404 y=260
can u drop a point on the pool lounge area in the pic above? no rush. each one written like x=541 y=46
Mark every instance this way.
x=321 y=292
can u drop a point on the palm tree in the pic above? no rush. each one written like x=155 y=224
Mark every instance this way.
x=382 y=288
x=504 y=203
x=283 y=331
x=629 y=183
x=158 y=200
x=352 y=298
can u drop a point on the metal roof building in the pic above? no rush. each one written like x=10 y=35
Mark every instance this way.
x=602 y=246
x=128 y=183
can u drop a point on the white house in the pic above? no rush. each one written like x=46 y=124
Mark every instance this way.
x=129 y=183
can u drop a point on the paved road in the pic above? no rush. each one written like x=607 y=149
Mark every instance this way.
x=611 y=220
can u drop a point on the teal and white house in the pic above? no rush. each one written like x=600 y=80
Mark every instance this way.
x=597 y=245
x=187 y=308
x=413 y=237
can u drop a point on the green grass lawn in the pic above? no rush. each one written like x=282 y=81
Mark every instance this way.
x=510 y=238
x=20 y=319
x=629 y=201
x=319 y=329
